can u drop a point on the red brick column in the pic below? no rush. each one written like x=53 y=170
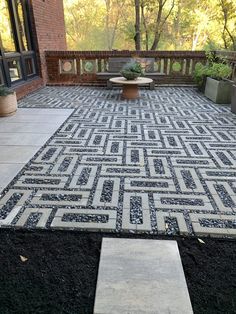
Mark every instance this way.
x=48 y=29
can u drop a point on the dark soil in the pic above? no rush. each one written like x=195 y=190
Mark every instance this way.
x=61 y=272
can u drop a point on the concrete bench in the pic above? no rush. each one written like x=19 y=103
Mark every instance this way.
x=116 y=64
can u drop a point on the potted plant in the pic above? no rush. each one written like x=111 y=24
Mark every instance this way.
x=218 y=87
x=132 y=70
x=8 y=101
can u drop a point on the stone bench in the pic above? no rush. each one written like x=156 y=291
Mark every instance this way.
x=115 y=65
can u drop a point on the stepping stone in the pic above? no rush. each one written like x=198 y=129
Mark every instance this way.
x=139 y=276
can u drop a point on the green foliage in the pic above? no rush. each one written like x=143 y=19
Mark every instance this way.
x=132 y=70
x=176 y=66
x=211 y=57
x=219 y=71
x=134 y=66
x=216 y=68
x=191 y=25
x=200 y=73
x=4 y=91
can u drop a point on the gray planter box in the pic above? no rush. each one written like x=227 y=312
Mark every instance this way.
x=218 y=91
x=233 y=99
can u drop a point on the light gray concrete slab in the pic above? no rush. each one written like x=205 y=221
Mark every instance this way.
x=141 y=276
x=34 y=118
x=32 y=139
x=29 y=127
x=8 y=171
x=17 y=154
x=22 y=135
x=48 y=112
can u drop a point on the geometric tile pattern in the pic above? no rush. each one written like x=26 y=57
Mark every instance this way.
x=165 y=163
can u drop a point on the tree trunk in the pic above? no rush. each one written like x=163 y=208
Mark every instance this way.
x=137 y=25
x=160 y=23
x=195 y=39
x=176 y=29
x=145 y=27
x=158 y=30
x=226 y=14
x=108 y=7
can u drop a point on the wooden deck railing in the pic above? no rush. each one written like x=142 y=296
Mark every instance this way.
x=81 y=67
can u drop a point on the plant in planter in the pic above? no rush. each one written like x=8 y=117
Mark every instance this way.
x=8 y=101
x=217 y=69
x=213 y=78
x=132 y=70
x=218 y=87
x=200 y=76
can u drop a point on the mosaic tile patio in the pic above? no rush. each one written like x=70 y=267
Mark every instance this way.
x=165 y=163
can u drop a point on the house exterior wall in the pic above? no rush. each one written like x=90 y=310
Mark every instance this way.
x=48 y=32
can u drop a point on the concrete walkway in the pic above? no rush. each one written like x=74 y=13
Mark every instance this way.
x=22 y=135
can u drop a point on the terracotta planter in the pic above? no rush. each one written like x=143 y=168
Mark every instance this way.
x=233 y=99
x=8 y=105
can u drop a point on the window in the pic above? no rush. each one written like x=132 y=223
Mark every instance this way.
x=29 y=65
x=6 y=29
x=14 y=70
x=22 y=23
x=1 y=77
x=17 y=57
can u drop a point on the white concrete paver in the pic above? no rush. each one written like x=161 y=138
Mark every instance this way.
x=22 y=135
x=141 y=276
x=29 y=127
x=28 y=139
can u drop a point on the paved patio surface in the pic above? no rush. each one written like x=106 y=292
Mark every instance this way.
x=22 y=135
x=165 y=163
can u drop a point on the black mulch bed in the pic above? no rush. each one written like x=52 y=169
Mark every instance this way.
x=61 y=272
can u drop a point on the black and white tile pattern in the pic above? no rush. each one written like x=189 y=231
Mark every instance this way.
x=165 y=163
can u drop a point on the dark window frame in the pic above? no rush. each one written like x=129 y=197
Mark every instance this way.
x=20 y=54
x=2 y=81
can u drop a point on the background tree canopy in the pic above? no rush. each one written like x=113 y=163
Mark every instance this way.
x=150 y=24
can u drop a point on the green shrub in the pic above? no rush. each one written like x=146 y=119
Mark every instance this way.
x=200 y=73
x=219 y=71
x=4 y=91
x=216 y=68
x=132 y=70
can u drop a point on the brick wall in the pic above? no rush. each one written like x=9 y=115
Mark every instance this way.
x=28 y=87
x=48 y=29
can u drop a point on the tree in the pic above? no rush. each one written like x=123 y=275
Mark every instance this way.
x=160 y=21
x=137 y=36
x=84 y=22
x=229 y=23
x=155 y=14
x=114 y=9
x=148 y=24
